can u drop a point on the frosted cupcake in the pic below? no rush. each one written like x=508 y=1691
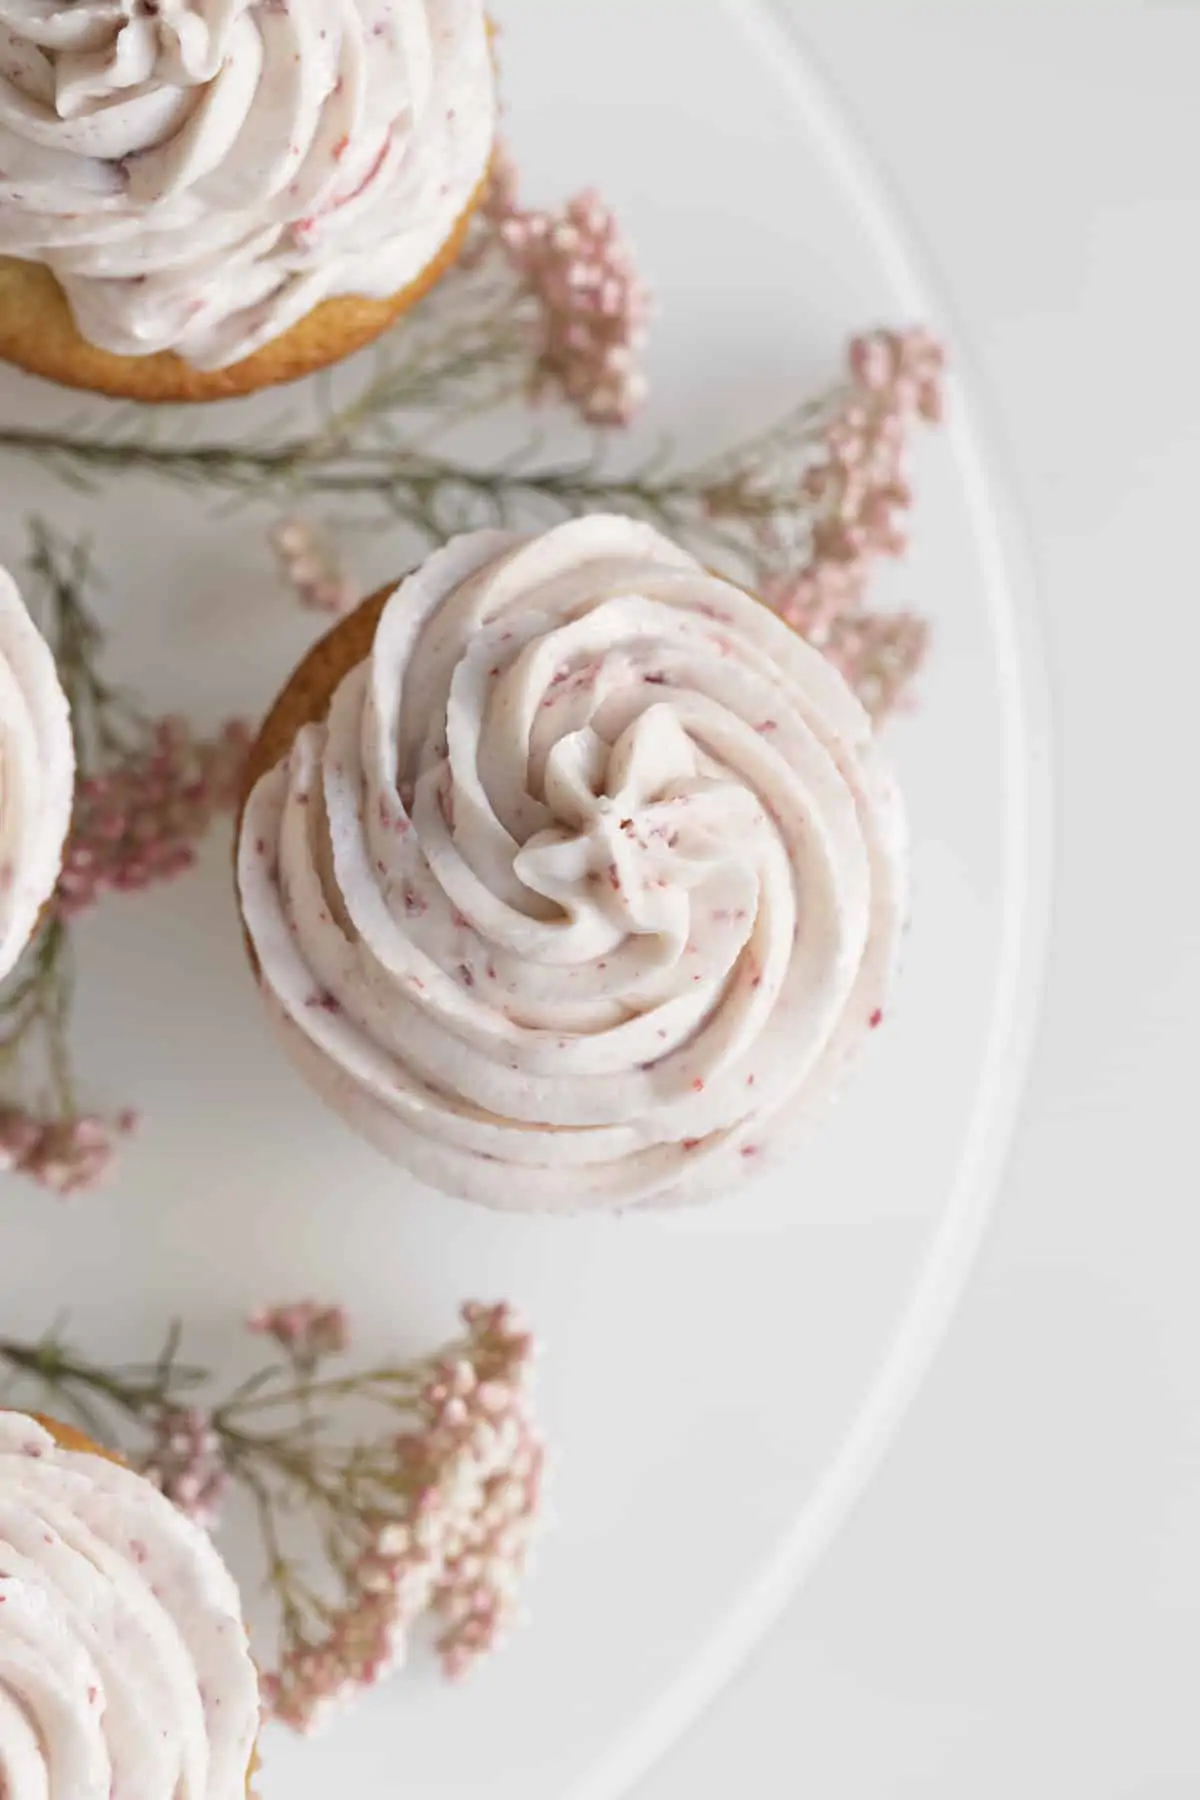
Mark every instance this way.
x=124 y=1668
x=37 y=772
x=201 y=199
x=572 y=876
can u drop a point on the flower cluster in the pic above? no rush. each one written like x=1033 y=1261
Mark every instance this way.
x=423 y=1481
x=807 y=510
x=877 y=654
x=858 y=481
x=592 y=306
x=858 y=485
x=800 y=512
x=310 y=568
x=825 y=492
x=147 y=790
x=903 y=370
x=458 y=1495
x=65 y=1155
x=304 y=1329
x=186 y=1461
x=138 y=820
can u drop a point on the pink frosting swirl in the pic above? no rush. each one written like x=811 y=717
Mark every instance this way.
x=589 y=884
x=200 y=174
x=124 y=1668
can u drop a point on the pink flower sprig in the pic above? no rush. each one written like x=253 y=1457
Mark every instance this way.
x=306 y=1331
x=186 y=1460
x=877 y=653
x=49 y=1139
x=801 y=514
x=147 y=790
x=445 y=1512
x=65 y=1155
x=592 y=307
x=310 y=568
x=425 y=1507
x=810 y=509
x=139 y=819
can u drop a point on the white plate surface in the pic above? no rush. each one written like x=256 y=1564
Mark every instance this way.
x=717 y=1386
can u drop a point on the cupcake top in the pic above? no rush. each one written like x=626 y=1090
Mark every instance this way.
x=590 y=883
x=37 y=770
x=124 y=1670
x=199 y=174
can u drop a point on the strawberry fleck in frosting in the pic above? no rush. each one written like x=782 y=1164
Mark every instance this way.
x=590 y=883
x=124 y=1668
x=37 y=773
x=200 y=174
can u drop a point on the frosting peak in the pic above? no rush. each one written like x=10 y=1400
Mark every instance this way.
x=200 y=174
x=124 y=1670
x=37 y=770
x=589 y=884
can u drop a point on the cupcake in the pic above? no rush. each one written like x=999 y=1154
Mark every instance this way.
x=37 y=771
x=200 y=200
x=571 y=875
x=124 y=1668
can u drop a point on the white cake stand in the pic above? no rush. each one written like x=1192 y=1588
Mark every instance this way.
x=718 y=1387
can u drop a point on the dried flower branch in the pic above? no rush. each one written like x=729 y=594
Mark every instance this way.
x=147 y=790
x=591 y=306
x=801 y=512
x=50 y=1140
x=420 y=1483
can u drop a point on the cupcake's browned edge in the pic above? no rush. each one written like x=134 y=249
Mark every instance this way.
x=305 y=698
x=38 y=334
x=70 y=1439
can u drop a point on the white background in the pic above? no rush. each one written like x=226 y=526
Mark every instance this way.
x=1015 y=1608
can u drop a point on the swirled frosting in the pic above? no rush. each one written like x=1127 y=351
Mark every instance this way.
x=589 y=883
x=124 y=1670
x=199 y=174
x=37 y=769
